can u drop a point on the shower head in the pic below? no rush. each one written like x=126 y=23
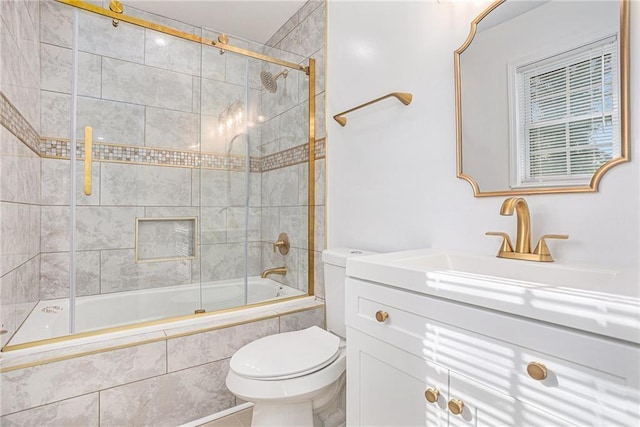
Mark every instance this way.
x=269 y=81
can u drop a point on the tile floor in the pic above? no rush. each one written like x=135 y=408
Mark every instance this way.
x=239 y=419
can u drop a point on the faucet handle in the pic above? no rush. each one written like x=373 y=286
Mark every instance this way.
x=282 y=244
x=543 y=249
x=506 y=241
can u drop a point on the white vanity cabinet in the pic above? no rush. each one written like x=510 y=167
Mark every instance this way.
x=403 y=343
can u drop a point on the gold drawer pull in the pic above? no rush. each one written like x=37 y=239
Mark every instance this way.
x=432 y=395
x=537 y=371
x=381 y=316
x=456 y=406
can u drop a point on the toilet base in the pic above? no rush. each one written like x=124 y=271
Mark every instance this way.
x=326 y=409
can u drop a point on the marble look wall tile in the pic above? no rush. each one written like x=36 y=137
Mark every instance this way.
x=237 y=68
x=171 y=211
x=54 y=274
x=18 y=82
x=213 y=64
x=303 y=177
x=302 y=320
x=20 y=236
x=168 y=400
x=56 y=23
x=23 y=388
x=308 y=8
x=56 y=71
x=115 y=122
x=218 y=96
x=308 y=36
x=172 y=129
x=270 y=130
x=119 y=272
x=20 y=168
x=97 y=227
x=56 y=110
x=97 y=35
x=105 y=227
x=226 y=261
x=171 y=53
x=111 y=121
x=294 y=126
x=270 y=227
x=136 y=185
x=280 y=187
x=293 y=221
x=77 y=411
x=236 y=225
x=196 y=94
x=225 y=188
x=8 y=306
x=146 y=85
x=28 y=284
x=213 y=225
x=270 y=259
x=56 y=186
x=198 y=349
x=55 y=229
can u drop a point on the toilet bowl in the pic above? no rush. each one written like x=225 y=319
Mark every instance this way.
x=298 y=378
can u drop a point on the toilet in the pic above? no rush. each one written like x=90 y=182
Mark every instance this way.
x=298 y=378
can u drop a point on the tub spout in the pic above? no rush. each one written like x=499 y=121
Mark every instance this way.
x=277 y=270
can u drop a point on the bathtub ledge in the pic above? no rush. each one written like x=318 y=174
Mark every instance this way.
x=72 y=348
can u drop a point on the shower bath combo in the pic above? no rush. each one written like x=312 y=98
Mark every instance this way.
x=197 y=245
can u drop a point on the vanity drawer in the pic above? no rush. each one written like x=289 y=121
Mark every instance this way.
x=588 y=379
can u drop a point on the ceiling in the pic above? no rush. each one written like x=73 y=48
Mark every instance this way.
x=255 y=20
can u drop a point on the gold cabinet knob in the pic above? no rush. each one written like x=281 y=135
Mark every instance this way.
x=432 y=395
x=381 y=316
x=537 y=371
x=456 y=406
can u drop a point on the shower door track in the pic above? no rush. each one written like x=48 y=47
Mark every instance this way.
x=176 y=33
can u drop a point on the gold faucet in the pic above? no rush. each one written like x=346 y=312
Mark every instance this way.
x=523 y=234
x=276 y=270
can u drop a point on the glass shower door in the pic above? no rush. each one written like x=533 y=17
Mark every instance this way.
x=137 y=136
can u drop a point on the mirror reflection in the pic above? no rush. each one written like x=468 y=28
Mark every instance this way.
x=541 y=96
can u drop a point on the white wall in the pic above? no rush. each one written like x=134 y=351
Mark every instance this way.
x=391 y=171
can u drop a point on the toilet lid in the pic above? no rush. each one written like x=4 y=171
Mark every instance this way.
x=286 y=355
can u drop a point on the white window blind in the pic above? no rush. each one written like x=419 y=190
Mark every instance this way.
x=568 y=115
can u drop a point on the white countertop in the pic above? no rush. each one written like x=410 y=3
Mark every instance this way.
x=595 y=299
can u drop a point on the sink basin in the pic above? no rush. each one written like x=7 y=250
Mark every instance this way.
x=596 y=299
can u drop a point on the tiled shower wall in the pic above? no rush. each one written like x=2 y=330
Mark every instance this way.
x=284 y=189
x=145 y=90
x=123 y=109
x=19 y=163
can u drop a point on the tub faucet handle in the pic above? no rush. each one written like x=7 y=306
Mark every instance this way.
x=282 y=244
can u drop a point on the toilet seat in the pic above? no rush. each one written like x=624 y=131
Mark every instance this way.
x=286 y=355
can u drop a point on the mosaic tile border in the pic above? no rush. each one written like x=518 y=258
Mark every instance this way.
x=15 y=123
x=60 y=149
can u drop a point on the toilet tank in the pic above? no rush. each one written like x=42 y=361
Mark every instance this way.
x=335 y=263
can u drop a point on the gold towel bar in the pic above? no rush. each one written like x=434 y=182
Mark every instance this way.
x=403 y=97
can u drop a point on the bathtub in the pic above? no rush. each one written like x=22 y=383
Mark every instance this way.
x=50 y=318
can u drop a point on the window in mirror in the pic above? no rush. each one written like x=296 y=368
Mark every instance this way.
x=566 y=116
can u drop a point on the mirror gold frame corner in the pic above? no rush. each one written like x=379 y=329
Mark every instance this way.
x=625 y=117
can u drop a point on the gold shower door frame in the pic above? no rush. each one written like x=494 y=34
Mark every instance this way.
x=309 y=71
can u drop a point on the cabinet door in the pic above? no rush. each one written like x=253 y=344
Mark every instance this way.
x=386 y=386
x=484 y=406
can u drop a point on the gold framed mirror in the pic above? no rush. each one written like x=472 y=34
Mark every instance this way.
x=542 y=96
